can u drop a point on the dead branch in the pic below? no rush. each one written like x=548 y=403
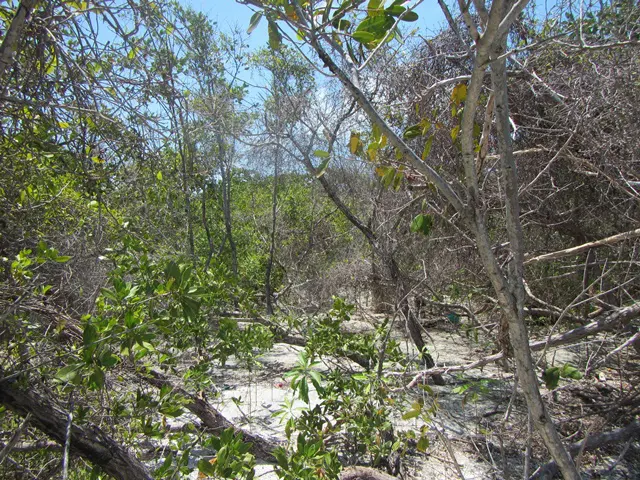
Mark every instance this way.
x=584 y=247
x=591 y=443
x=609 y=321
x=210 y=417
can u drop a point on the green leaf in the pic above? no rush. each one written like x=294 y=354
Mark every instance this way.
x=62 y=258
x=96 y=380
x=255 y=20
x=422 y=223
x=341 y=24
x=275 y=38
x=411 y=414
x=410 y=17
x=207 y=468
x=67 y=374
x=427 y=148
x=159 y=175
x=373 y=28
x=388 y=177
x=551 y=377
x=423 y=444
x=459 y=93
x=322 y=168
x=303 y=390
x=569 y=371
x=90 y=335
x=413 y=131
x=321 y=154
x=455 y=131
x=108 y=359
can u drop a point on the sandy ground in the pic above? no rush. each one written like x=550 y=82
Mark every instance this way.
x=473 y=429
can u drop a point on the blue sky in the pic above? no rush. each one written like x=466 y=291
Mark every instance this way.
x=229 y=13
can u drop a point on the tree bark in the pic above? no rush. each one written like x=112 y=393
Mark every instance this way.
x=364 y=473
x=11 y=39
x=88 y=442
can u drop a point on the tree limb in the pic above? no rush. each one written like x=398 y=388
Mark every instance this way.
x=620 y=237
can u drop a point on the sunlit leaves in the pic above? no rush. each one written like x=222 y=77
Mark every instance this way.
x=354 y=143
x=459 y=94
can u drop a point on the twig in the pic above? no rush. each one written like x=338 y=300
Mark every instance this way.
x=14 y=439
x=452 y=454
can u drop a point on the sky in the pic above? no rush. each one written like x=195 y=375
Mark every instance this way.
x=229 y=13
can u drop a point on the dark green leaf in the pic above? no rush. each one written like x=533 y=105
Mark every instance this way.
x=410 y=17
x=275 y=38
x=551 y=377
x=422 y=223
x=255 y=20
x=96 y=380
x=206 y=468
x=413 y=131
x=423 y=444
x=90 y=335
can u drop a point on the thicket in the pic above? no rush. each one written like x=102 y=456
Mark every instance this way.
x=159 y=216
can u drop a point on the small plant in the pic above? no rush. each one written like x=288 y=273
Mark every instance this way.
x=232 y=459
x=302 y=374
x=308 y=461
x=552 y=375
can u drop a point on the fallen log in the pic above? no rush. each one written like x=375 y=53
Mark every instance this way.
x=88 y=441
x=211 y=418
x=591 y=443
x=364 y=473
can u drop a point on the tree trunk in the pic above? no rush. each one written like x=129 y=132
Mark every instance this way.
x=225 y=175
x=268 y=290
x=511 y=295
x=88 y=442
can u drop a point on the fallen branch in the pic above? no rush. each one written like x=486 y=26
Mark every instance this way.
x=88 y=441
x=364 y=473
x=584 y=247
x=591 y=443
x=212 y=419
x=608 y=321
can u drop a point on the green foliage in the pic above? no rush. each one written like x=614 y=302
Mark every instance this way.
x=233 y=459
x=303 y=374
x=552 y=375
x=308 y=460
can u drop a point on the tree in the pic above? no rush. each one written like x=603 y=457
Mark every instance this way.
x=319 y=27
